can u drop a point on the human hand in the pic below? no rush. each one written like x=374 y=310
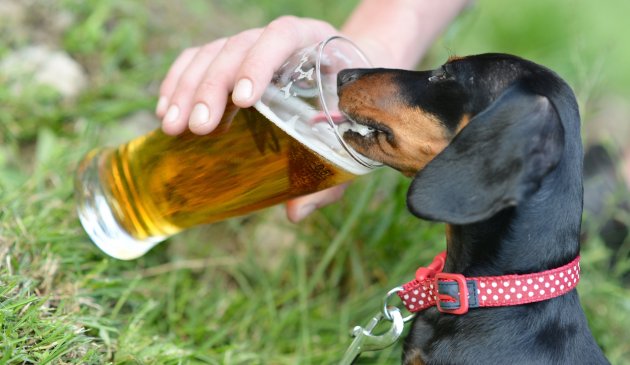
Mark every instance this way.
x=196 y=88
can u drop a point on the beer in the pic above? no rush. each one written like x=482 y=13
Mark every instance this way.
x=157 y=185
x=164 y=184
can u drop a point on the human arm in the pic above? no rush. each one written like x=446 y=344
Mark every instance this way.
x=397 y=33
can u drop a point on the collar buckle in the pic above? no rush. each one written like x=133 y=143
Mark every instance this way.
x=452 y=293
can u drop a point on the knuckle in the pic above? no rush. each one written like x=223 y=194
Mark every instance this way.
x=208 y=87
x=241 y=41
x=186 y=84
x=253 y=66
x=212 y=49
x=190 y=51
x=324 y=27
x=166 y=87
x=208 y=48
x=284 y=26
x=284 y=21
x=169 y=84
x=235 y=43
x=250 y=34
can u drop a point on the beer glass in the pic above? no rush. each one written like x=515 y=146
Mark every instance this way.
x=133 y=196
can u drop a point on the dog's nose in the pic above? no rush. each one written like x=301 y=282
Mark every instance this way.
x=349 y=75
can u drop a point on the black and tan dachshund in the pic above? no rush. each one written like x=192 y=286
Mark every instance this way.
x=493 y=142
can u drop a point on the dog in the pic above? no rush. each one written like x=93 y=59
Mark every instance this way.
x=493 y=144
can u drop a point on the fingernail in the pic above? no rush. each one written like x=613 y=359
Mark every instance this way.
x=305 y=211
x=200 y=115
x=162 y=104
x=243 y=90
x=171 y=115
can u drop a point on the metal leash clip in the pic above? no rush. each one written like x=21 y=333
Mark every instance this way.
x=364 y=340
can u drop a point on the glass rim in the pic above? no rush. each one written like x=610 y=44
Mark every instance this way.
x=322 y=45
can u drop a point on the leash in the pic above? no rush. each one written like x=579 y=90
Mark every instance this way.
x=456 y=294
x=365 y=340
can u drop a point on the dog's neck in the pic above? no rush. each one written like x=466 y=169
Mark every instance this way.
x=538 y=234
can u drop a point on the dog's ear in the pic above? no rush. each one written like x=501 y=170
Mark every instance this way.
x=496 y=161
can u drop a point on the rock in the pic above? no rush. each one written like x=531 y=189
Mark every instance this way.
x=40 y=65
x=33 y=21
x=12 y=12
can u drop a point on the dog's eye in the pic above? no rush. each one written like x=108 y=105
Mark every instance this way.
x=442 y=76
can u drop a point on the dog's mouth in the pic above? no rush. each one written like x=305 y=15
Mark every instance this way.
x=405 y=150
x=362 y=132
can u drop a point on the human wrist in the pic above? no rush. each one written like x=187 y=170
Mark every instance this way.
x=397 y=33
x=376 y=52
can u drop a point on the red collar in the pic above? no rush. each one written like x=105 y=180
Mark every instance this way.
x=454 y=293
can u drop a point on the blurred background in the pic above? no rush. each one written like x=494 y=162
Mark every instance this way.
x=76 y=74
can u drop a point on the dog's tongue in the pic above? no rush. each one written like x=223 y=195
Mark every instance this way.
x=342 y=127
x=337 y=118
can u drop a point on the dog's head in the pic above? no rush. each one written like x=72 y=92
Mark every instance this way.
x=492 y=121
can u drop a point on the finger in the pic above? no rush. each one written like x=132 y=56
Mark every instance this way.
x=281 y=38
x=212 y=93
x=175 y=119
x=300 y=208
x=172 y=76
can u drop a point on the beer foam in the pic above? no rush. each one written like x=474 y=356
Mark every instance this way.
x=300 y=121
x=355 y=127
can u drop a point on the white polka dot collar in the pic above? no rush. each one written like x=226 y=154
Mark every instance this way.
x=455 y=294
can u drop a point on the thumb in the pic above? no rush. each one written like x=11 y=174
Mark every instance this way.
x=302 y=207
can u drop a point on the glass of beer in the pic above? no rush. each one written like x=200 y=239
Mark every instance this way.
x=131 y=197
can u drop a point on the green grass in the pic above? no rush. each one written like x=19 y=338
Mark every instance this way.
x=252 y=290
